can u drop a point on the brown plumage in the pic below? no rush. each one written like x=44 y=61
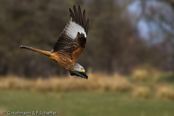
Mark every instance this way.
x=70 y=43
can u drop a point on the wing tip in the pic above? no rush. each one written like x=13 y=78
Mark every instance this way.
x=79 y=17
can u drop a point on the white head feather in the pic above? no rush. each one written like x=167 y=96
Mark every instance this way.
x=78 y=68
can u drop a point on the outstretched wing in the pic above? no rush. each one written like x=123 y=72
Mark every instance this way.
x=73 y=38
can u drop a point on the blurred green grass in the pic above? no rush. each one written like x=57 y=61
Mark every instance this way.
x=84 y=103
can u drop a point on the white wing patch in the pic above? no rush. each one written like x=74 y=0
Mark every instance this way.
x=73 y=28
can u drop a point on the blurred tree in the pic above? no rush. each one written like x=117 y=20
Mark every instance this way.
x=113 y=45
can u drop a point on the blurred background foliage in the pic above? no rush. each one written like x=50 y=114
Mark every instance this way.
x=123 y=35
x=129 y=58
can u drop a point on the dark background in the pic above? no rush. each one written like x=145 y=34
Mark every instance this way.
x=123 y=35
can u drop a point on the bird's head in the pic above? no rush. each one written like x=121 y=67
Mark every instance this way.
x=78 y=71
x=79 y=68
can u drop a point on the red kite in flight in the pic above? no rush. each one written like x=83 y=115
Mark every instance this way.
x=70 y=44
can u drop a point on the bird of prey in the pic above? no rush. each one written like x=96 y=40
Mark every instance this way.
x=70 y=43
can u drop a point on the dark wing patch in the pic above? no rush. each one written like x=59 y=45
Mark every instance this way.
x=63 y=43
x=79 y=74
x=80 y=45
x=71 y=40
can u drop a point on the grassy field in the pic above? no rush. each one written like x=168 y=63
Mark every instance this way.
x=84 y=103
x=143 y=93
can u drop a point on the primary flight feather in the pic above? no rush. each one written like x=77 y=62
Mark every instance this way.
x=70 y=43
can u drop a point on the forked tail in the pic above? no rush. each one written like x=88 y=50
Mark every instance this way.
x=36 y=50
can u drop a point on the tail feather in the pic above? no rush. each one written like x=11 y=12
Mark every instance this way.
x=47 y=53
